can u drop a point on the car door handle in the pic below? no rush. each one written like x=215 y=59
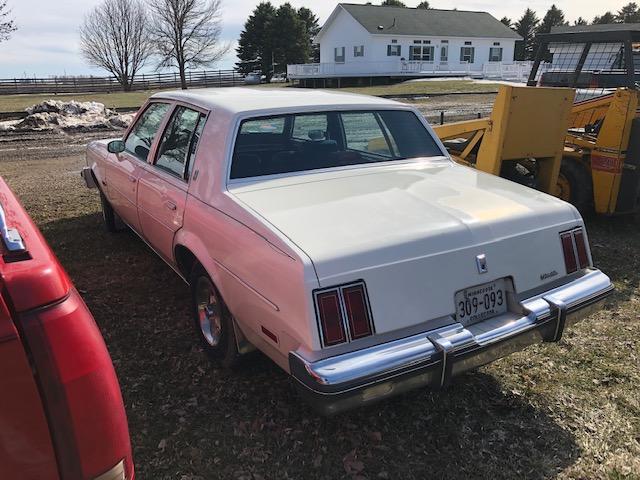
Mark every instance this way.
x=132 y=179
x=170 y=205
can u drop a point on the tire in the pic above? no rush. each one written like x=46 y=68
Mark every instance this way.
x=575 y=185
x=212 y=321
x=108 y=215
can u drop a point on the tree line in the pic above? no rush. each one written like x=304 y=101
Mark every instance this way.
x=530 y=25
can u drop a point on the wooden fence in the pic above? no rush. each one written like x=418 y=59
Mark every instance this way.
x=151 y=81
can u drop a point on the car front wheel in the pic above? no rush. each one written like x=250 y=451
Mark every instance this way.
x=212 y=319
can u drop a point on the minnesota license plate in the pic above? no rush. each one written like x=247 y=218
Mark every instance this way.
x=481 y=302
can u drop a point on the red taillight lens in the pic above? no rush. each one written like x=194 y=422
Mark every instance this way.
x=581 y=248
x=79 y=388
x=355 y=301
x=569 y=253
x=330 y=315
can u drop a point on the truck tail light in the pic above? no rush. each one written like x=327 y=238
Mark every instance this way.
x=344 y=314
x=574 y=247
x=80 y=391
x=357 y=308
x=581 y=248
x=330 y=315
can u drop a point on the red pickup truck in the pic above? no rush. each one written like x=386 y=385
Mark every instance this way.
x=61 y=410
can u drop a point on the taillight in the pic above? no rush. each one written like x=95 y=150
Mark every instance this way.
x=581 y=248
x=344 y=314
x=569 y=253
x=355 y=302
x=80 y=391
x=574 y=247
x=330 y=314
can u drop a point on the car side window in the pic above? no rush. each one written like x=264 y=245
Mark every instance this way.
x=141 y=137
x=310 y=127
x=363 y=133
x=177 y=144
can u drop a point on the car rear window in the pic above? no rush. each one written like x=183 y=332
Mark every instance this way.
x=310 y=141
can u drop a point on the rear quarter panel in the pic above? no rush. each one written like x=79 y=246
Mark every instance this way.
x=263 y=278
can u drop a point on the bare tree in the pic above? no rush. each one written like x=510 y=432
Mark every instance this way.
x=186 y=33
x=114 y=36
x=7 y=25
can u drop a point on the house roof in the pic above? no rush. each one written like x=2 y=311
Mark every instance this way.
x=432 y=22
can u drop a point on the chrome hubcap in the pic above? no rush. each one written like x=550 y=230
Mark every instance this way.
x=209 y=313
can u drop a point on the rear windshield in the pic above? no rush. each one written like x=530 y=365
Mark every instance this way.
x=309 y=141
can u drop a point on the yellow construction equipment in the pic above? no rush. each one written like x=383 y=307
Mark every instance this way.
x=504 y=145
x=587 y=152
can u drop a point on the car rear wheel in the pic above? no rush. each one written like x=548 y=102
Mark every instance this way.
x=213 y=322
x=109 y=216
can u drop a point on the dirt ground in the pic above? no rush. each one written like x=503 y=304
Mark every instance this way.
x=567 y=410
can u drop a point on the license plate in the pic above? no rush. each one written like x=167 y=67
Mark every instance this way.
x=481 y=302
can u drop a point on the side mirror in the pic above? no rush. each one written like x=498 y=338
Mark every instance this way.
x=116 y=146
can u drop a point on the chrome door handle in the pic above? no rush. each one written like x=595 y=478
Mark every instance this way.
x=170 y=205
x=132 y=179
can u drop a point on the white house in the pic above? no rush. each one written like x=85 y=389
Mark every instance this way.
x=376 y=41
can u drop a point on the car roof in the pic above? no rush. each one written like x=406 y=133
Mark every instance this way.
x=239 y=100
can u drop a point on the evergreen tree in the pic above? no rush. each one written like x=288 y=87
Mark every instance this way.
x=255 y=47
x=581 y=21
x=607 y=17
x=629 y=13
x=311 y=23
x=392 y=3
x=291 y=42
x=526 y=27
x=553 y=18
x=506 y=21
x=424 y=5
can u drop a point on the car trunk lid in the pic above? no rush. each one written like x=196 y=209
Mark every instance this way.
x=413 y=232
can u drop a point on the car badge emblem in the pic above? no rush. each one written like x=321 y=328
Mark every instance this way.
x=481 y=262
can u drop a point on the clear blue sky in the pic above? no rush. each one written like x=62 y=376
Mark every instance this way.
x=47 y=40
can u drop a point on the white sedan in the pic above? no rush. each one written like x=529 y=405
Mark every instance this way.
x=334 y=233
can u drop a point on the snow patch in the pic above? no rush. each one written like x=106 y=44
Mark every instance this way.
x=57 y=115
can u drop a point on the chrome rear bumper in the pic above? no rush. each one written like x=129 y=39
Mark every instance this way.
x=432 y=358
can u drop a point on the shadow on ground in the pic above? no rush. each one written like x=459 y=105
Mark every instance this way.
x=191 y=420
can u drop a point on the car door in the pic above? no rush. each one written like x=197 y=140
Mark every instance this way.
x=124 y=169
x=163 y=184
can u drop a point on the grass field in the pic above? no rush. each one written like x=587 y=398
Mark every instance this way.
x=17 y=103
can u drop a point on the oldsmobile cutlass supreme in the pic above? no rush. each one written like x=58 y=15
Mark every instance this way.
x=334 y=233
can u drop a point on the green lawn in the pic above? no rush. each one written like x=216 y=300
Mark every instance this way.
x=16 y=103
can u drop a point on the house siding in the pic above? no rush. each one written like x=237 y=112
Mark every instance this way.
x=345 y=31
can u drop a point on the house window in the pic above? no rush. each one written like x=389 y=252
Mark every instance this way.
x=394 y=50
x=495 y=54
x=358 y=51
x=338 y=54
x=444 y=41
x=444 y=53
x=394 y=41
x=423 y=54
x=467 y=54
x=467 y=43
x=417 y=41
x=496 y=44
